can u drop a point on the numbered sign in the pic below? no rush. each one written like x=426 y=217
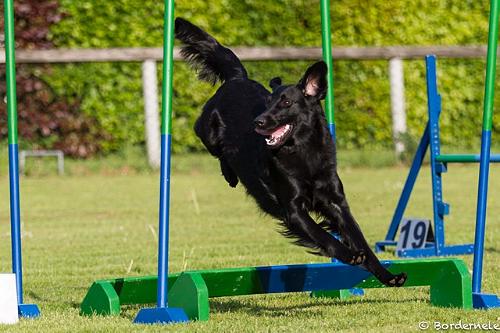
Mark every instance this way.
x=414 y=233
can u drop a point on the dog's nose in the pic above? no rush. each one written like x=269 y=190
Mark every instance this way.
x=259 y=121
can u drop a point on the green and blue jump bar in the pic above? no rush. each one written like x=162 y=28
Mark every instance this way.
x=24 y=310
x=448 y=280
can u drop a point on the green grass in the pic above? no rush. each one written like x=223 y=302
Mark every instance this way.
x=94 y=225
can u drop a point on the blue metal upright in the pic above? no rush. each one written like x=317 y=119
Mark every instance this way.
x=440 y=208
x=418 y=159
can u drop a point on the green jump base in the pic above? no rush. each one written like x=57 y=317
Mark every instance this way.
x=449 y=281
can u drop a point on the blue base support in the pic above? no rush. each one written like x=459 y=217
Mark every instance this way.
x=161 y=316
x=28 y=311
x=450 y=250
x=485 y=301
x=381 y=246
x=357 y=292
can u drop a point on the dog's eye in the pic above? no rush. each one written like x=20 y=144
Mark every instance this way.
x=285 y=103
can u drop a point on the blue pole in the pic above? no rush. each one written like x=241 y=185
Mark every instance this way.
x=166 y=140
x=162 y=290
x=15 y=220
x=484 y=167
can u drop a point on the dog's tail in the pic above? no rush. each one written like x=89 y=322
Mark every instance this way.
x=212 y=61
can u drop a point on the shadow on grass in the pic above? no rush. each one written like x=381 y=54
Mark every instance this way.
x=307 y=309
x=247 y=305
x=492 y=249
x=34 y=296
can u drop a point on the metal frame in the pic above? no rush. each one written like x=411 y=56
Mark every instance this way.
x=430 y=139
x=439 y=166
x=58 y=154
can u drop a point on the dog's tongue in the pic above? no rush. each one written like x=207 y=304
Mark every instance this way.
x=274 y=132
x=279 y=131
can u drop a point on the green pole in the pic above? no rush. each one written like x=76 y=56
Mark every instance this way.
x=10 y=61
x=489 y=93
x=168 y=62
x=327 y=57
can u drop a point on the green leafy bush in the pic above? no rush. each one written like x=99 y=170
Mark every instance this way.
x=45 y=120
x=112 y=93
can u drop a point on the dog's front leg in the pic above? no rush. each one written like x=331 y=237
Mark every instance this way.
x=336 y=209
x=352 y=232
x=228 y=173
x=300 y=224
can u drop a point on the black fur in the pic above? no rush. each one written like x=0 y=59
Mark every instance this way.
x=294 y=172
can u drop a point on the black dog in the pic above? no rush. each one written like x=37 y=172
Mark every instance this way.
x=278 y=145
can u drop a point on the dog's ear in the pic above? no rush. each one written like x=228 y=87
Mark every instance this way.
x=275 y=83
x=314 y=83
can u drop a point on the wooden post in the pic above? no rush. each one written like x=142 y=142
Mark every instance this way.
x=397 y=103
x=151 y=115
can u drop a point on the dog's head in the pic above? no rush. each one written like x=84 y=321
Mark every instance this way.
x=290 y=106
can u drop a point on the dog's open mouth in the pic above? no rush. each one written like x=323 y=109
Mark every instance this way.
x=276 y=136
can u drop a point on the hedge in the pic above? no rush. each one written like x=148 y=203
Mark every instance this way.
x=112 y=92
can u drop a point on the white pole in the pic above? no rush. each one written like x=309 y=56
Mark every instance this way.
x=151 y=113
x=397 y=103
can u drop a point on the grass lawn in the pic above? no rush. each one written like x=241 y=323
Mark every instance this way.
x=83 y=227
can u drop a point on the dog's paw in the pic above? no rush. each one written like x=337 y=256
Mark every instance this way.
x=358 y=258
x=397 y=280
